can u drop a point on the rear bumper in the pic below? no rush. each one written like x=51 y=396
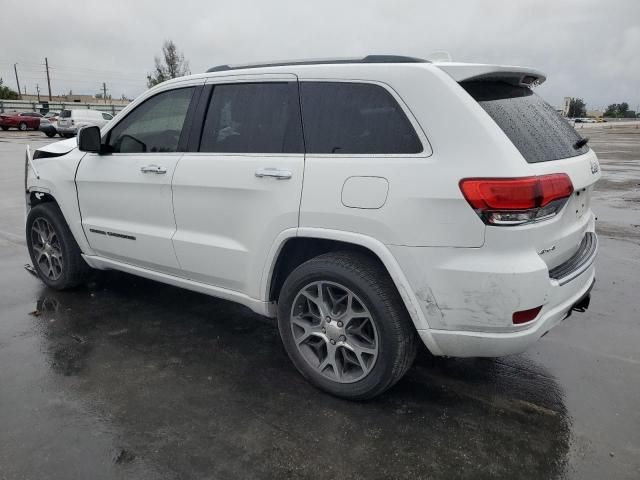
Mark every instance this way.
x=67 y=130
x=468 y=295
x=482 y=344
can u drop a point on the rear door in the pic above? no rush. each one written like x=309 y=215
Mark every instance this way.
x=64 y=119
x=240 y=185
x=125 y=196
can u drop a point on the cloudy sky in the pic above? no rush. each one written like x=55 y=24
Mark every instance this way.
x=588 y=48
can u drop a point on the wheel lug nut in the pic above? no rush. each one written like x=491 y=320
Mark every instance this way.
x=333 y=342
x=324 y=330
x=342 y=338
x=340 y=324
x=328 y=319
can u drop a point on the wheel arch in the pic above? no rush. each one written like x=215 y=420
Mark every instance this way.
x=299 y=246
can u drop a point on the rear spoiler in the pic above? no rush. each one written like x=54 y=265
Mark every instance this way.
x=521 y=76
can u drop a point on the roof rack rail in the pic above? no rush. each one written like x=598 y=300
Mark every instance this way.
x=367 y=59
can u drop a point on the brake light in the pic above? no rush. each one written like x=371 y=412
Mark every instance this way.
x=516 y=201
x=525 y=316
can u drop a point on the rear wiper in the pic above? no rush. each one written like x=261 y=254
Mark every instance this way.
x=580 y=143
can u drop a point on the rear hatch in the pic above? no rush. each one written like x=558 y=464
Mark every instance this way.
x=549 y=145
x=64 y=119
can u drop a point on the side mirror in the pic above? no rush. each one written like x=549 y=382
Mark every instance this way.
x=89 y=139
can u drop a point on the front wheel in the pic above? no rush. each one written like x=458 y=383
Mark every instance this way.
x=4 y=128
x=50 y=134
x=53 y=250
x=344 y=326
x=22 y=127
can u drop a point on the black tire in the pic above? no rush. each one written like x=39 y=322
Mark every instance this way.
x=50 y=134
x=368 y=280
x=74 y=269
x=22 y=127
x=4 y=128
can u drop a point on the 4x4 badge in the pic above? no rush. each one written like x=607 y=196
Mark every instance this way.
x=594 y=166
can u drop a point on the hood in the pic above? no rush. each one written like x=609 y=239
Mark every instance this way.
x=61 y=147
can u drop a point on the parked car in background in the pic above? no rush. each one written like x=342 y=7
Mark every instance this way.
x=69 y=121
x=363 y=221
x=22 y=121
x=48 y=127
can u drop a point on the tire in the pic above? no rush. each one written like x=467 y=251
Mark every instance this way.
x=4 y=128
x=381 y=315
x=22 y=127
x=54 y=241
x=50 y=134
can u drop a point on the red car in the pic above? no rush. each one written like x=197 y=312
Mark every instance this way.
x=22 y=121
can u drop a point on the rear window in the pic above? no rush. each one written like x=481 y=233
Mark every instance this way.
x=354 y=118
x=65 y=114
x=534 y=127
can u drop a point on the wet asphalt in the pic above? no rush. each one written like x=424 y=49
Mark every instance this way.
x=128 y=378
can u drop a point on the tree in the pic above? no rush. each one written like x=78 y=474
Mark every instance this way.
x=577 y=108
x=6 y=93
x=171 y=65
x=619 y=110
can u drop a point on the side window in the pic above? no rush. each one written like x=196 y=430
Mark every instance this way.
x=355 y=118
x=253 y=118
x=154 y=126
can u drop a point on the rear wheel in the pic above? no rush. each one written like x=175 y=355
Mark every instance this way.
x=50 y=134
x=4 y=128
x=53 y=250
x=344 y=325
x=22 y=127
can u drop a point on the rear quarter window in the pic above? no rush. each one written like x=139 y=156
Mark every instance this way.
x=534 y=127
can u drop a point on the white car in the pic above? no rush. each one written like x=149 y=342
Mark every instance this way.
x=367 y=204
x=69 y=121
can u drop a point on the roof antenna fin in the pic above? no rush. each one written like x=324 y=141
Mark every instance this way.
x=439 y=56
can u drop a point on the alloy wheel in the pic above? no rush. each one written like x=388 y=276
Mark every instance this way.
x=47 y=252
x=334 y=331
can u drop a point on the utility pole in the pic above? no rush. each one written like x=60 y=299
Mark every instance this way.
x=104 y=92
x=38 y=90
x=15 y=69
x=46 y=63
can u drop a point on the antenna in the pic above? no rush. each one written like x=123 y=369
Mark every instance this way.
x=439 y=56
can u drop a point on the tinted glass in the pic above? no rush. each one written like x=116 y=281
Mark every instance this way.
x=65 y=114
x=154 y=126
x=253 y=118
x=539 y=132
x=354 y=118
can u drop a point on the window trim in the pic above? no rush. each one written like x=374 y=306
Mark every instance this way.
x=427 y=149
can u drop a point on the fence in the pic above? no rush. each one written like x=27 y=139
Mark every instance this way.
x=44 y=107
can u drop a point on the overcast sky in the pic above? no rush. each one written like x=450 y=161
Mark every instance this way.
x=587 y=48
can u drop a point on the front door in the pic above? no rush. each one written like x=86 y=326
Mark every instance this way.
x=241 y=186
x=125 y=196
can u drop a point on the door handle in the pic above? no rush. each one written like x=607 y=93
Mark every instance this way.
x=273 y=172
x=157 y=169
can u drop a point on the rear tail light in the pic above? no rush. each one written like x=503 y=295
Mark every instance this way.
x=525 y=316
x=72 y=122
x=516 y=201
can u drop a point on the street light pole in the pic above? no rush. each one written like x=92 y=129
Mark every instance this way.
x=15 y=69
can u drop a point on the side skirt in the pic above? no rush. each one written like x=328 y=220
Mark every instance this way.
x=260 y=307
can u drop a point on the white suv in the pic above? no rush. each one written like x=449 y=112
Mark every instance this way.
x=364 y=203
